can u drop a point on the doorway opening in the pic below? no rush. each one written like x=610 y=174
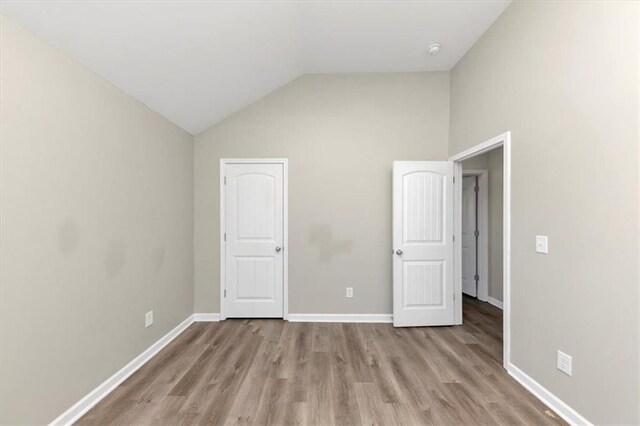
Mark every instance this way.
x=482 y=211
x=474 y=237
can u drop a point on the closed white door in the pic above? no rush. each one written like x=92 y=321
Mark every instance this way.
x=254 y=237
x=468 y=237
x=423 y=243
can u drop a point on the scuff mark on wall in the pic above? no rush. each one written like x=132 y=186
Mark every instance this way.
x=115 y=259
x=321 y=236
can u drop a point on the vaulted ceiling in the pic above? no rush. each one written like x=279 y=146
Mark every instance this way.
x=198 y=62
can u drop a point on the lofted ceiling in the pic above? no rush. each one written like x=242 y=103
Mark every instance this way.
x=197 y=62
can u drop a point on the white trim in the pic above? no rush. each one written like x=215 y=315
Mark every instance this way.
x=457 y=249
x=106 y=387
x=570 y=415
x=481 y=148
x=483 y=225
x=223 y=222
x=504 y=141
x=285 y=245
x=495 y=302
x=378 y=318
x=206 y=317
x=285 y=237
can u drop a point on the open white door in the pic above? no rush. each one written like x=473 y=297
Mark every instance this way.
x=423 y=293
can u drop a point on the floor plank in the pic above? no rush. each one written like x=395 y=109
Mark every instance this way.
x=271 y=372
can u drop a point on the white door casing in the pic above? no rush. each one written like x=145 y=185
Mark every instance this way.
x=423 y=249
x=253 y=240
x=503 y=140
x=468 y=237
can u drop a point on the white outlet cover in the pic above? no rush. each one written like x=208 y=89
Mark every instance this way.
x=542 y=244
x=564 y=363
x=349 y=291
x=148 y=319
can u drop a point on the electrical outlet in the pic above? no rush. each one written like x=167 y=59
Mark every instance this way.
x=349 y=292
x=542 y=244
x=564 y=363
x=148 y=319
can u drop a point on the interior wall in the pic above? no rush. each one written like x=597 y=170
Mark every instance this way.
x=340 y=134
x=492 y=161
x=96 y=230
x=563 y=78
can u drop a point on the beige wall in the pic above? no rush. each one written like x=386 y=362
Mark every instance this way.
x=492 y=162
x=341 y=134
x=96 y=229
x=563 y=78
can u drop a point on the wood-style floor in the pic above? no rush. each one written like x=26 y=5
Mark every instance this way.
x=275 y=372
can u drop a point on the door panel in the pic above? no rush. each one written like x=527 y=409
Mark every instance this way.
x=422 y=208
x=256 y=278
x=423 y=243
x=423 y=283
x=253 y=248
x=468 y=238
x=256 y=206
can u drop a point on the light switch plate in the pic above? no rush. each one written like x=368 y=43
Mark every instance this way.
x=542 y=244
x=349 y=292
x=564 y=363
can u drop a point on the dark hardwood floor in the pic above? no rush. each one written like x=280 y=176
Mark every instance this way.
x=275 y=372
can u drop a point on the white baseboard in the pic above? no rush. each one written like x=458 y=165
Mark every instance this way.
x=495 y=302
x=96 y=395
x=570 y=415
x=384 y=318
x=206 y=317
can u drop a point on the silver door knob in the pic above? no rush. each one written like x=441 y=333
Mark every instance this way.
x=398 y=252
x=278 y=248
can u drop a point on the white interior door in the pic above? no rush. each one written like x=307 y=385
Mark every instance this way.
x=468 y=237
x=254 y=238
x=423 y=291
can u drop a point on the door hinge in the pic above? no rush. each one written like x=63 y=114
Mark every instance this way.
x=225 y=236
x=476 y=277
x=225 y=293
x=454 y=179
x=225 y=180
x=476 y=233
x=454 y=238
x=477 y=189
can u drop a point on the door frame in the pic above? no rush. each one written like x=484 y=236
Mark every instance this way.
x=483 y=226
x=285 y=227
x=504 y=141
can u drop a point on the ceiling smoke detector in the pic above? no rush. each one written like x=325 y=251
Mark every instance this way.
x=433 y=49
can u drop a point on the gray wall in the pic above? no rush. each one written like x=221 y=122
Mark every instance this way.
x=492 y=162
x=341 y=134
x=563 y=78
x=96 y=230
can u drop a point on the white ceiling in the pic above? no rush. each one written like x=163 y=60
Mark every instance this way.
x=198 y=62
